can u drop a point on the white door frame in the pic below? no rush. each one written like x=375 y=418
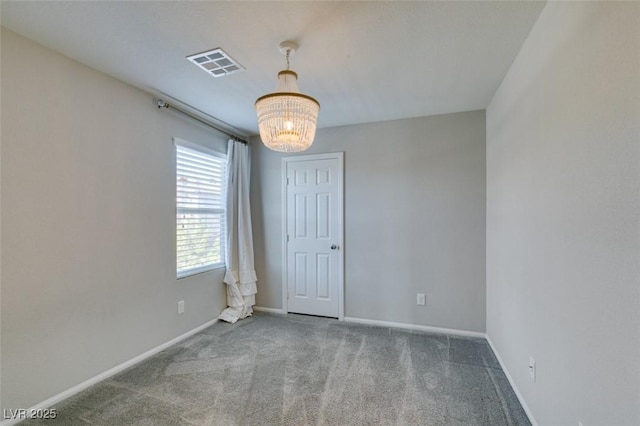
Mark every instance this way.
x=285 y=284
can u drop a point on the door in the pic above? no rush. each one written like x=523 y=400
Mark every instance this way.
x=313 y=187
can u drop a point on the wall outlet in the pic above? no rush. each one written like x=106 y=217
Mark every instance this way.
x=421 y=299
x=532 y=368
x=181 y=307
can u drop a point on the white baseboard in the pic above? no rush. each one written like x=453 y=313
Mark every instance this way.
x=416 y=327
x=111 y=372
x=513 y=384
x=270 y=310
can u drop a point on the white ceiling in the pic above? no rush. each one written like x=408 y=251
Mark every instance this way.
x=364 y=61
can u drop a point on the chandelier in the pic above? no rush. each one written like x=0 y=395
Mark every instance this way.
x=287 y=118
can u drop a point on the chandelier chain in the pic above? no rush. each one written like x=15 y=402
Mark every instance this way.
x=288 y=52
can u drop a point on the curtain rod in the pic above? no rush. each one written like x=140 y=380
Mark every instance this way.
x=164 y=104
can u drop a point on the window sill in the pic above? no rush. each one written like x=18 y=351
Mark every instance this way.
x=197 y=272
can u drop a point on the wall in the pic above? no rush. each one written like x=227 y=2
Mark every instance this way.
x=414 y=219
x=563 y=196
x=1 y=400
x=88 y=213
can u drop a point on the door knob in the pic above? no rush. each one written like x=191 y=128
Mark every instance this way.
x=334 y=247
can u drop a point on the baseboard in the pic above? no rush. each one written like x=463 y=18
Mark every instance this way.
x=111 y=372
x=513 y=384
x=416 y=327
x=270 y=310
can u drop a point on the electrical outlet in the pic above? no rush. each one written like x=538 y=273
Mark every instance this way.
x=532 y=368
x=181 y=307
x=421 y=299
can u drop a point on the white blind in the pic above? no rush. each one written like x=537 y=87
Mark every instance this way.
x=200 y=209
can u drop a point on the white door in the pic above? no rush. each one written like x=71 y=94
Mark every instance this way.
x=313 y=240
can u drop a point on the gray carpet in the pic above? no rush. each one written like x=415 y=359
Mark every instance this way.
x=298 y=370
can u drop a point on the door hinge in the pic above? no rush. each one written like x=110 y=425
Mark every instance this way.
x=287 y=237
x=287 y=181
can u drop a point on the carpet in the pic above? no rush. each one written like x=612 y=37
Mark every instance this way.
x=300 y=370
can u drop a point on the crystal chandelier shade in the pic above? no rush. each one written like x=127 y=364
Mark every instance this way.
x=287 y=119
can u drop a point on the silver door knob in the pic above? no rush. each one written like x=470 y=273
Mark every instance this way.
x=334 y=247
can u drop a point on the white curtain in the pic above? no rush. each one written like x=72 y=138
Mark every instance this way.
x=240 y=276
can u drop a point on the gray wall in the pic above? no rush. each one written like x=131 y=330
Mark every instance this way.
x=414 y=219
x=563 y=196
x=1 y=400
x=88 y=213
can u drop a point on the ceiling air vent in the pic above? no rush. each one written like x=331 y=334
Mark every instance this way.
x=216 y=62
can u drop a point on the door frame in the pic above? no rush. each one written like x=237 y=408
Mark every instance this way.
x=340 y=200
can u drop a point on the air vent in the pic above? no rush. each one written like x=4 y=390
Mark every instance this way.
x=216 y=62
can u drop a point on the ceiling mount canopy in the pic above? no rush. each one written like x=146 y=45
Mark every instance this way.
x=287 y=119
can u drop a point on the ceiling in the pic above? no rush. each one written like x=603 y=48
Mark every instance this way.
x=363 y=61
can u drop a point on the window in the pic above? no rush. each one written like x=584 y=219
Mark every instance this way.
x=200 y=208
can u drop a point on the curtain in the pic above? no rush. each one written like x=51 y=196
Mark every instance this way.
x=240 y=276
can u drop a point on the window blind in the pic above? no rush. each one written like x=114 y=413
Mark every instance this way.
x=200 y=209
